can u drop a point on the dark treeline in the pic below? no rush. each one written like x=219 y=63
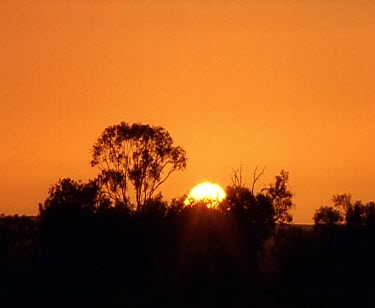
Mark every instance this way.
x=168 y=255
x=114 y=242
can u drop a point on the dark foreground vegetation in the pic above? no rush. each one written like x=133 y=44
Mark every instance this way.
x=113 y=242
x=192 y=257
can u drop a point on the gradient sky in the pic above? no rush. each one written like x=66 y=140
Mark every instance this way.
x=282 y=84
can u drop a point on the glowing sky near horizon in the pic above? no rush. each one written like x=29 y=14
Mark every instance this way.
x=282 y=84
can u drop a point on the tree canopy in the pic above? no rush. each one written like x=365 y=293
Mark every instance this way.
x=344 y=210
x=72 y=197
x=272 y=204
x=137 y=158
x=281 y=197
x=327 y=215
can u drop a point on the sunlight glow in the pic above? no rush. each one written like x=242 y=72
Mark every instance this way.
x=207 y=192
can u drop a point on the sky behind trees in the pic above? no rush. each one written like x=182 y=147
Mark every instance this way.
x=283 y=84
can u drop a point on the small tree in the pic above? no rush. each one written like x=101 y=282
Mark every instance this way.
x=353 y=214
x=343 y=202
x=370 y=214
x=141 y=155
x=72 y=198
x=67 y=216
x=281 y=198
x=327 y=215
x=272 y=204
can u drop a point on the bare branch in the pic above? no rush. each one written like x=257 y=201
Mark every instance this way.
x=256 y=177
x=237 y=178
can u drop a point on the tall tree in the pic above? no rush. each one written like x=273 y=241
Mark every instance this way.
x=140 y=155
x=281 y=197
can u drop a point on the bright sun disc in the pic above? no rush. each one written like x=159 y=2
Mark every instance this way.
x=210 y=193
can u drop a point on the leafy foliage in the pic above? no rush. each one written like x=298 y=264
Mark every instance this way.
x=136 y=155
x=272 y=204
x=72 y=197
x=281 y=197
x=327 y=215
x=353 y=214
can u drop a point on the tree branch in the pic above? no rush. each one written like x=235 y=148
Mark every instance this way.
x=256 y=178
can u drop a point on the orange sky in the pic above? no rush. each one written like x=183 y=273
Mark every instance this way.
x=287 y=84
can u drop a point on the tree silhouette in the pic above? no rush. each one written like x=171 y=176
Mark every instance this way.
x=327 y=215
x=155 y=206
x=370 y=214
x=353 y=214
x=281 y=197
x=68 y=213
x=272 y=204
x=72 y=197
x=141 y=155
x=342 y=201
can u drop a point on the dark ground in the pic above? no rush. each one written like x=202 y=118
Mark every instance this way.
x=194 y=260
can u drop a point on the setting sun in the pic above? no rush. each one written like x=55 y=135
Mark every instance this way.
x=208 y=192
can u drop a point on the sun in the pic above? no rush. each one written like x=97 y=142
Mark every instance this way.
x=209 y=193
